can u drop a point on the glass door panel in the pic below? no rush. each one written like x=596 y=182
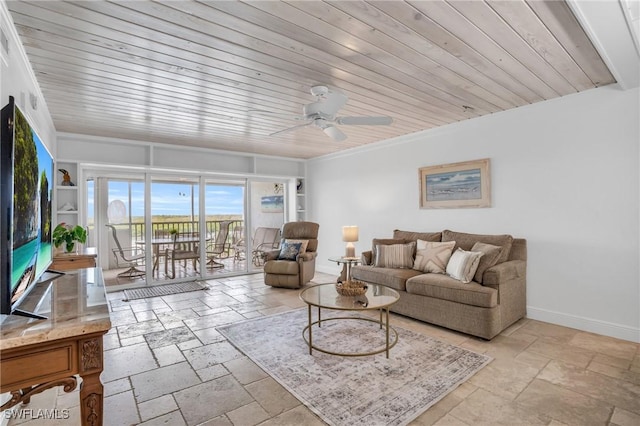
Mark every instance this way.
x=224 y=203
x=175 y=228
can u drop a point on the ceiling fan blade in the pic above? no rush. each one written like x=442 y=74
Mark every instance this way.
x=334 y=133
x=365 y=121
x=290 y=129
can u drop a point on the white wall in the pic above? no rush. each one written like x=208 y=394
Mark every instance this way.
x=564 y=176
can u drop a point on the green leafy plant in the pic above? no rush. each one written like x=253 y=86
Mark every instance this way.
x=69 y=235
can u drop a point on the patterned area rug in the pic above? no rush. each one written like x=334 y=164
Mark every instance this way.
x=370 y=390
x=162 y=290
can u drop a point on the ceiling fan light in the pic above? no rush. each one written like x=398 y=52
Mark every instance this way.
x=334 y=133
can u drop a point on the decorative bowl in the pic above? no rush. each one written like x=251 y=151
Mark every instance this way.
x=351 y=288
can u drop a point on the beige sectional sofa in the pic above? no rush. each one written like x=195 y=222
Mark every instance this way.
x=495 y=299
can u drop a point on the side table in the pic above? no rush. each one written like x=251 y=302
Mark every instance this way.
x=346 y=263
x=85 y=258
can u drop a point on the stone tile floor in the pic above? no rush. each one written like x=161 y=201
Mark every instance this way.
x=165 y=364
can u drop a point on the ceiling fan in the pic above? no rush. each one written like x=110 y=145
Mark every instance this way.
x=322 y=114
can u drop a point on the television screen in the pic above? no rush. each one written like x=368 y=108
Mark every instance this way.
x=28 y=178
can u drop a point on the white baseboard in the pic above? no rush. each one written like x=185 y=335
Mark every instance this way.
x=605 y=328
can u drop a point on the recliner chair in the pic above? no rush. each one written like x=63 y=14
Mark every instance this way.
x=298 y=272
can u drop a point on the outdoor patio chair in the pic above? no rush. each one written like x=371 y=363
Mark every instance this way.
x=185 y=247
x=218 y=248
x=131 y=257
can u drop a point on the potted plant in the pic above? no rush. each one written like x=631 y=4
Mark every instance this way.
x=68 y=235
x=173 y=233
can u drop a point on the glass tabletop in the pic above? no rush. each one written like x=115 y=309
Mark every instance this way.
x=326 y=296
x=342 y=259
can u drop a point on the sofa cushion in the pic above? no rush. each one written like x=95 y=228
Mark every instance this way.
x=444 y=287
x=466 y=241
x=490 y=254
x=383 y=241
x=433 y=256
x=395 y=255
x=390 y=277
x=415 y=236
x=463 y=265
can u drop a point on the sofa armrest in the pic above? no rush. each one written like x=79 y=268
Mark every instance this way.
x=366 y=258
x=504 y=272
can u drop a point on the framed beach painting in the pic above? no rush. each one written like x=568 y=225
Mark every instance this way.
x=272 y=204
x=456 y=185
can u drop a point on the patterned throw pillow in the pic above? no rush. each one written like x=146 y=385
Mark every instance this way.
x=289 y=251
x=463 y=265
x=395 y=255
x=303 y=244
x=490 y=255
x=433 y=257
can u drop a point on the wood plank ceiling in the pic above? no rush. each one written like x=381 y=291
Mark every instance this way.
x=190 y=73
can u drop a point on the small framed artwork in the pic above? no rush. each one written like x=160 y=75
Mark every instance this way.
x=456 y=185
x=272 y=204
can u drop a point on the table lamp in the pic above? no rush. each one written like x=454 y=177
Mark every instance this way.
x=350 y=235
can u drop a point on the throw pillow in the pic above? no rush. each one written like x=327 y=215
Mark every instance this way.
x=433 y=257
x=490 y=255
x=395 y=255
x=303 y=246
x=289 y=251
x=382 y=241
x=463 y=265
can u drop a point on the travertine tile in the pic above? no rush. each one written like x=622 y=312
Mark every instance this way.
x=215 y=353
x=612 y=361
x=485 y=408
x=167 y=355
x=145 y=316
x=440 y=409
x=563 y=404
x=120 y=409
x=117 y=386
x=616 y=392
x=217 y=421
x=212 y=372
x=171 y=419
x=172 y=336
x=622 y=417
x=190 y=344
x=505 y=378
x=163 y=381
x=605 y=345
x=533 y=359
x=272 y=396
x=213 y=320
x=209 y=335
x=248 y=415
x=139 y=329
x=127 y=361
x=449 y=420
x=552 y=349
x=245 y=370
x=157 y=407
x=222 y=395
x=300 y=415
x=615 y=372
x=551 y=331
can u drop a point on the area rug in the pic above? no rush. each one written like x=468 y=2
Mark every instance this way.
x=162 y=290
x=370 y=390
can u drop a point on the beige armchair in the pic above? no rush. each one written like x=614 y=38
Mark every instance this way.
x=293 y=273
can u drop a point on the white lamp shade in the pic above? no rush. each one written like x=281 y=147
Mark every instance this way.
x=349 y=233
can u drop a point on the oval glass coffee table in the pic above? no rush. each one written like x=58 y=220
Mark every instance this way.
x=325 y=296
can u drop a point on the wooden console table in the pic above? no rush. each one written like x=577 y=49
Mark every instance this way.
x=86 y=258
x=41 y=354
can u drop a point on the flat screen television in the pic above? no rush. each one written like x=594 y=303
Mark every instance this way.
x=26 y=190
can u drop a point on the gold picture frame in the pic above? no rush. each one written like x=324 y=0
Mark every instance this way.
x=457 y=185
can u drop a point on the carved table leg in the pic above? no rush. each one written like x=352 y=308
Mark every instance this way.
x=91 y=392
x=91 y=397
